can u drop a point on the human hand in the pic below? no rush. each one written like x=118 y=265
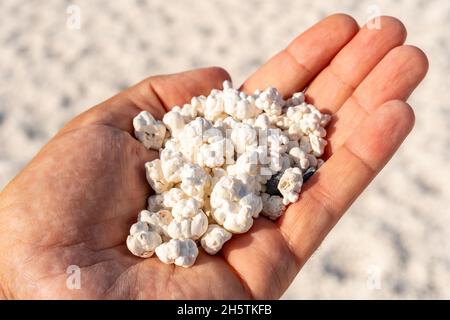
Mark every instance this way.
x=74 y=202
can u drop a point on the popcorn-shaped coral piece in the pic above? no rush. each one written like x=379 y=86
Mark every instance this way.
x=173 y=196
x=189 y=220
x=234 y=205
x=271 y=101
x=194 y=180
x=188 y=228
x=290 y=185
x=174 y=121
x=158 y=221
x=214 y=238
x=155 y=176
x=143 y=240
x=180 y=252
x=149 y=131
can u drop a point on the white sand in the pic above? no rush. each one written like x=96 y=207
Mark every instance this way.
x=397 y=231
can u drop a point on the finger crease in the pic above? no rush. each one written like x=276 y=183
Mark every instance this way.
x=361 y=106
x=298 y=262
x=146 y=104
x=297 y=62
x=340 y=79
x=242 y=281
x=153 y=90
x=371 y=170
x=274 y=272
x=324 y=202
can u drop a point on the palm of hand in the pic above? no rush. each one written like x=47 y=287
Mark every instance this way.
x=74 y=203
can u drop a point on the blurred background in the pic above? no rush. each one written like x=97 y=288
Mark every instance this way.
x=393 y=242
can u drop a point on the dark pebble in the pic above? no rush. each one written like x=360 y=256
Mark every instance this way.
x=308 y=173
x=272 y=185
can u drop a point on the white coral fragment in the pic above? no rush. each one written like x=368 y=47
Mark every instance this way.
x=290 y=185
x=149 y=131
x=180 y=252
x=143 y=240
x=214 y=238
x=234 y=205
x=155 y=176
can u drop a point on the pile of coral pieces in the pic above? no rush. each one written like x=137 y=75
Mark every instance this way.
x=223 y=160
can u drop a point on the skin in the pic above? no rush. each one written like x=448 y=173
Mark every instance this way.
x=74 y=202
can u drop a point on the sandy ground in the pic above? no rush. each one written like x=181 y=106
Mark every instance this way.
x=393 y=242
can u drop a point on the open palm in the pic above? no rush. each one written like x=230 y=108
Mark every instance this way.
x=75 y=201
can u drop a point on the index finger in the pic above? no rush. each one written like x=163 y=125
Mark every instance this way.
x=295 y=66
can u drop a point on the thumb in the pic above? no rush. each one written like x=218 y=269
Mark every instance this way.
x=156 y=94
